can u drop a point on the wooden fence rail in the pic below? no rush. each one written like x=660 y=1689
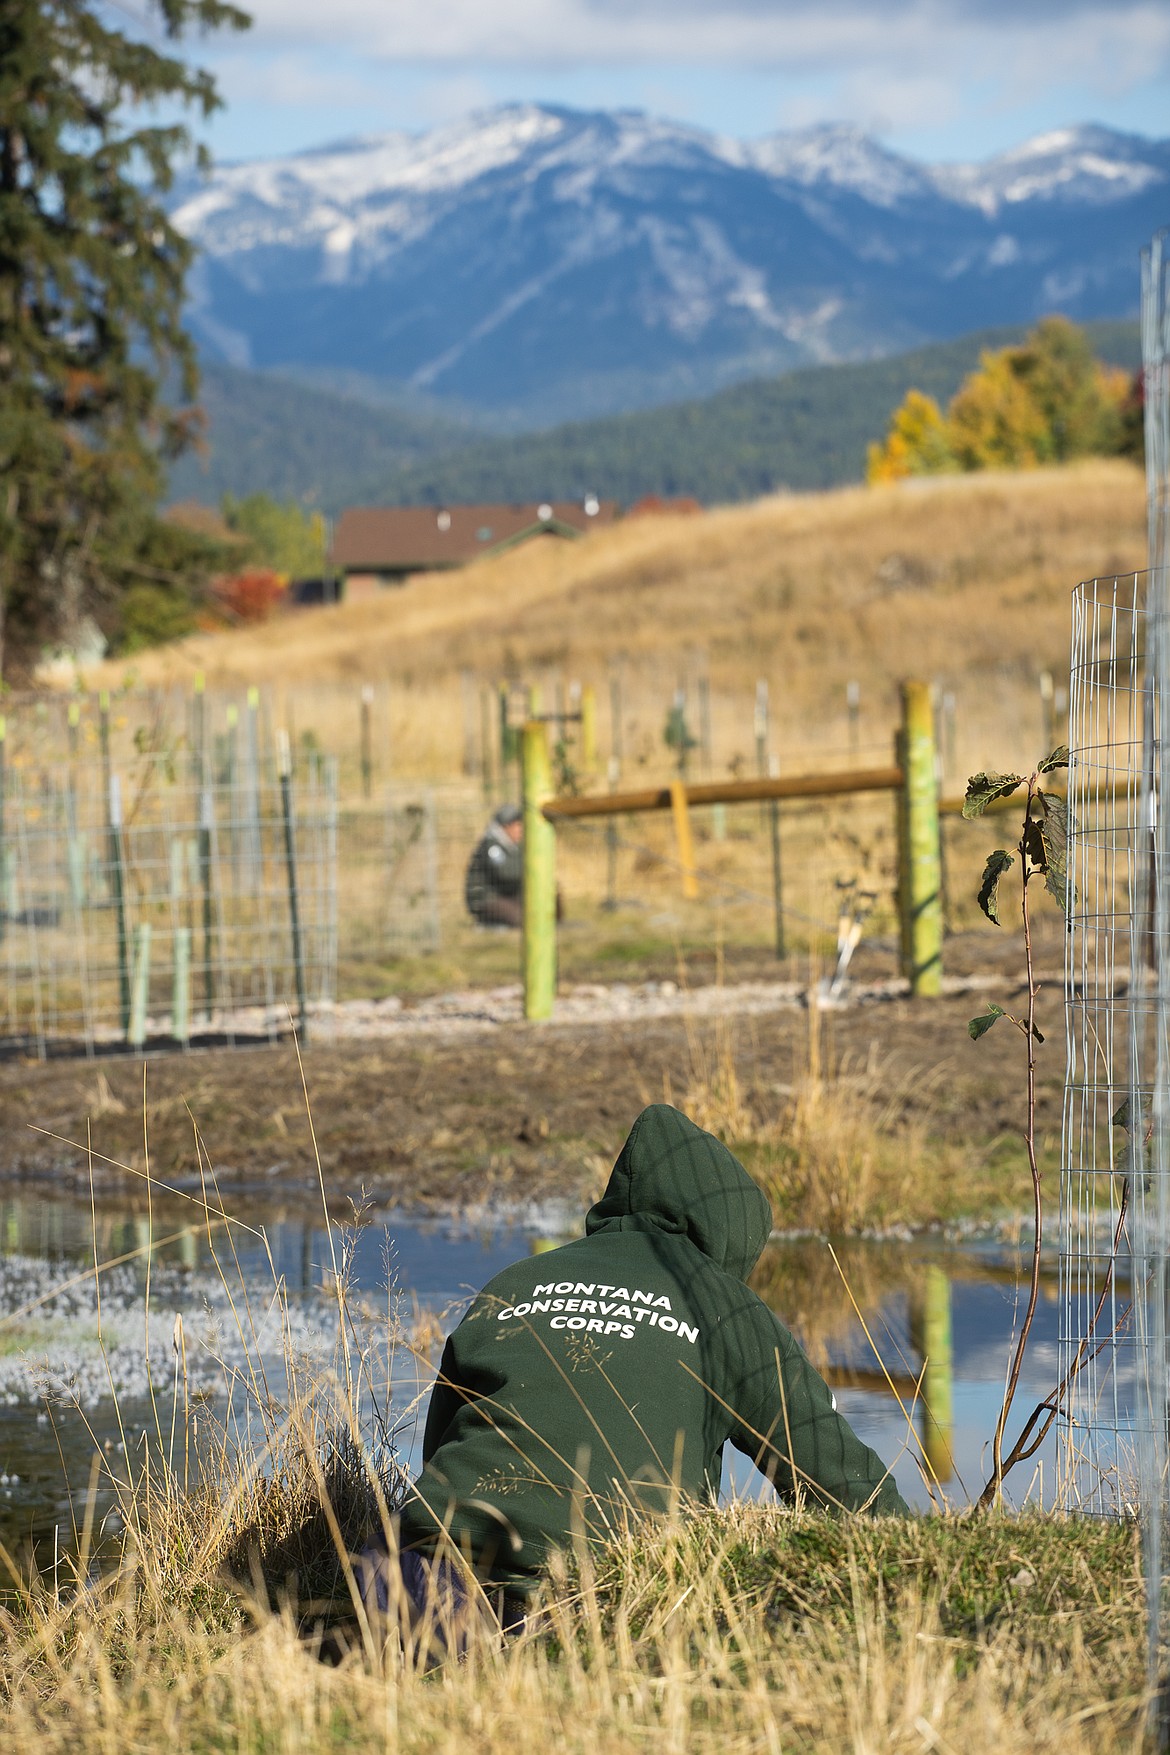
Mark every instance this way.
x=912 y=779
x=614 y=804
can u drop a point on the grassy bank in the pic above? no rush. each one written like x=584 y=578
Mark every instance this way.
x=746 y=1629
x=224 y=1564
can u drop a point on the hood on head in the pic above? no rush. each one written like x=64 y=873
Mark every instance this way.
x=672 y=1176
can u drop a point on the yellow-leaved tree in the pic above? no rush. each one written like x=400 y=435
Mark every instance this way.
x=1045 y=401
x=918 y=442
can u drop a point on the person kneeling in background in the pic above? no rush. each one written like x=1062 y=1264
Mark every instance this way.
x=601 y=1380
x=494 y=886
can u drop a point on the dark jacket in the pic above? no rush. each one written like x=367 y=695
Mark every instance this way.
x=607 y=1375
x=496 y=868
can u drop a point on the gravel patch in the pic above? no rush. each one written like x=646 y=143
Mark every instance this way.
x=478 y=1011
x=57 y=1345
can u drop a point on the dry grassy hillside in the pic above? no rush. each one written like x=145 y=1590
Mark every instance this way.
x=964 y=581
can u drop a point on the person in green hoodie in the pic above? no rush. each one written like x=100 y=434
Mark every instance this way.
x=601 y=1380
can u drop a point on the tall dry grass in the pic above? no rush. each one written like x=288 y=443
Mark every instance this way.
x=964 y=581
x=750 y=1629
x=845 y=1145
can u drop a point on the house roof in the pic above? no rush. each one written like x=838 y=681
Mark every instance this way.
x=402 y=538
x=655 y=506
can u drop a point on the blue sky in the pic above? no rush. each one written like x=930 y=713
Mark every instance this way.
x=939 y=79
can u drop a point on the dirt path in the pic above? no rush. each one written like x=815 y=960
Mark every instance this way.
x=456 y=1101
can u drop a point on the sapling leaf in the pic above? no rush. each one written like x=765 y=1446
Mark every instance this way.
x=984 y=789
x=1032 y=842
x=997 y=863
x=1120 y=1116
x=1058 y=759
x=1053 y=826
x=979 y=1026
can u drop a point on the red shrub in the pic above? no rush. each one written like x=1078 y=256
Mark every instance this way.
x=251 y=596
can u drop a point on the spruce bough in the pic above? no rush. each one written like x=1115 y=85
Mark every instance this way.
x=91 y=291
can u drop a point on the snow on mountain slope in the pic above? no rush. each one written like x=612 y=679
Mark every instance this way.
x=569 y=262
x=1088 y=166
x=841 y=158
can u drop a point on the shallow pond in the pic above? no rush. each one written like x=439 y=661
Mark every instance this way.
x=957 y=1306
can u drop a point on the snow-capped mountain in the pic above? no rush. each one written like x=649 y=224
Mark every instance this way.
x=549 y=263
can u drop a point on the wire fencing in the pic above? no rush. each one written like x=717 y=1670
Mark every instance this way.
x=162 y=902
x=149 y=888
x=407 y=889
x=1115 y=1184
x=1106 y=997
x=150 y=907
x=1149 y=1099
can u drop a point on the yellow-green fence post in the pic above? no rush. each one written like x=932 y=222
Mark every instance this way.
x=140 y=986
x=540 y=877
x=920 y=859
x=930 y=1333
x=181 y=986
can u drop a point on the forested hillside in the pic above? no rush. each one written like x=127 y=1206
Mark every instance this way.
x=807 y=429
x=298 y=441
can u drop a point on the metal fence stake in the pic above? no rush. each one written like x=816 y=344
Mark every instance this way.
x=611 y=844
x=199 y=729
x=589 y=729
x=367 y=743
x=485 y=740
x=118 y=885
x=705 y=725
x=205 y=882
x=760 y=729
x=284 y=765
x=104 y=737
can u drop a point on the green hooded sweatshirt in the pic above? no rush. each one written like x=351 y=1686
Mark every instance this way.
x=605 y=1377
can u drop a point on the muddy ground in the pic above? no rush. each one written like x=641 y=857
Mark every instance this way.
x=503 y=1112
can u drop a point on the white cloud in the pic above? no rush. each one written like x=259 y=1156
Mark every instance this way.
x=954 y=79
x=880 y=101
x=446 y=99
x=1114 y=42
x=296 y=79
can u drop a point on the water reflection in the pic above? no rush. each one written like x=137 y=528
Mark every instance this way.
x=914 y=1338
x=436 y=1261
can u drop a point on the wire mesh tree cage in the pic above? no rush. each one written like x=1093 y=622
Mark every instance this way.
x=1115 y=1196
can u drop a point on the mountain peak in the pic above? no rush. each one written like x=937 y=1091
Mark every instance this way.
x=1085 y=163
x=839 y=155
x=531 y=257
